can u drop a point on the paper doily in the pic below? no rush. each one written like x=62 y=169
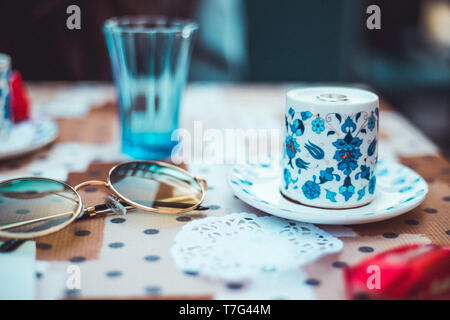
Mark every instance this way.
x=241 y=246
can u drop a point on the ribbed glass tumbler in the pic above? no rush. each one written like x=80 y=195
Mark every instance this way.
x=150 y=58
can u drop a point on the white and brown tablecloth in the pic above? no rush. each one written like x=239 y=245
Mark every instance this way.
x=128 y=256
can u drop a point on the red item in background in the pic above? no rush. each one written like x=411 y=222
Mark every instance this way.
x=18 y=97
x=407 y=272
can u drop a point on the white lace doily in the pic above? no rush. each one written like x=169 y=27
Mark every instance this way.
x=241 y=246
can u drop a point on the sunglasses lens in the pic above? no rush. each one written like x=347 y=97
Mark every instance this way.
x=33 y=206
x=156 y=186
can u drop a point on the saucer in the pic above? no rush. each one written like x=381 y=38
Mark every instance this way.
x=28 y=136
x=399 y=190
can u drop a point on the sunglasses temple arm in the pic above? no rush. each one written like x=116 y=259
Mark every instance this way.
x=101 y=210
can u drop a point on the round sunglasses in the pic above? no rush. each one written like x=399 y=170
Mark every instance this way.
x=33 y=207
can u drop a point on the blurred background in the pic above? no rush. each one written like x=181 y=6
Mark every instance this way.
x=407 y=61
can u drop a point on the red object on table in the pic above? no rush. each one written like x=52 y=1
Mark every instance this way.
x=19 y=100
x=407 y=272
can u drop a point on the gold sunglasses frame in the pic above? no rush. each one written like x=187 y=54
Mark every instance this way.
x=90 y=211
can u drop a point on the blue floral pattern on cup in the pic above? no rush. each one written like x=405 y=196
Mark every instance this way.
x=353 y=153
x=318 y=125
x=311 y=189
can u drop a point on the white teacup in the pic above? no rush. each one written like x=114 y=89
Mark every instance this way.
x=331 y=146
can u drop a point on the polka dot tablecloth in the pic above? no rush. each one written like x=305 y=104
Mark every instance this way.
x=129 y=256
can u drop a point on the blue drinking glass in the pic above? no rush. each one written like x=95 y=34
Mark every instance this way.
x=150 y=58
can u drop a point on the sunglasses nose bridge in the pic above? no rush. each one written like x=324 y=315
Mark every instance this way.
x=91 y=183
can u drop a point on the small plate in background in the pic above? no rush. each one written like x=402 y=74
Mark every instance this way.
x=28 y=136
